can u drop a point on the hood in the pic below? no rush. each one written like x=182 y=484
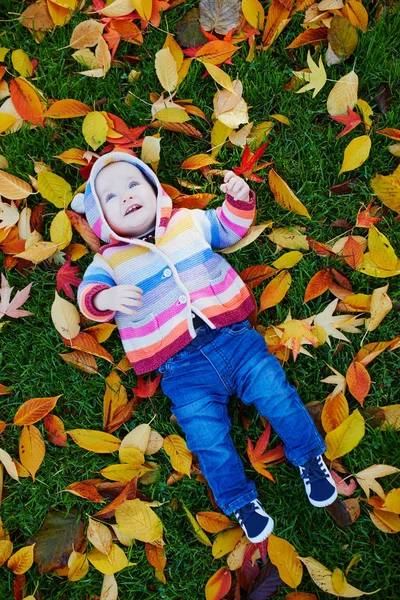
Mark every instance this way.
x=91 y=204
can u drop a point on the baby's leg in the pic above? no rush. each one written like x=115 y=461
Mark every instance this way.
x=199 y=402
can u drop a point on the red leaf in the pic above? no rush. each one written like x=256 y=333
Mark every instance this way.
x=248 y=163
x=352 y=252
x=358 y=380
x=66 y=277
x=351 y=120
x=365 y=218
x=259 y=458
x=19 y=585
x=147 y=389
x=55 y=430
x=319 y=247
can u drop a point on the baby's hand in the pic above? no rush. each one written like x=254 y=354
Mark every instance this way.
x=235 y=186
x=120 y=297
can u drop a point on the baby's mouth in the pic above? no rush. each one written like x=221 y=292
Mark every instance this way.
x=132 y=208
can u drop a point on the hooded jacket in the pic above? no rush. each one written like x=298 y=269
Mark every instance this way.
x=179 y=274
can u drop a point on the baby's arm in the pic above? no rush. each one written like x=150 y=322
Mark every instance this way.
x=230 y=222
x=99 y=297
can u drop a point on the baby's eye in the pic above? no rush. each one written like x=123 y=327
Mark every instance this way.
x=133 y=184
x=110 y=197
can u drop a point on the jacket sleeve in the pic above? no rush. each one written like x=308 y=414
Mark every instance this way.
x=229 y=223
x=98 y=276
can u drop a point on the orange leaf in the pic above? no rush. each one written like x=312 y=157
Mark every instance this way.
x=85 y=489
x=31 y=449
x=394 y=134
x=156 y=556
x=317 y=285
x=128 y=493
x=115 y=397
x=3 y=425
x=81 y=360
x=367 y=353
x=213 y=522
x=335 y=411
x=276 y=290
x=55 y=430
x=22 y=560
x=67 y=109
x=219 y=584
x=216 y=52
x=198 y=161
x=86 y=343
x=193 y=201
x=300 y=596
x=259 y=458
x=358 y=380
x=84 y=229
x=308 y=36
x=34 y=410
x=253 y=276
x=277 y=19
x=101 y=332
x=26 y=101
x=352 y=252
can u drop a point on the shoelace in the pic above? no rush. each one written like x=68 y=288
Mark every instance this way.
x=313 y=471
x=245 y=512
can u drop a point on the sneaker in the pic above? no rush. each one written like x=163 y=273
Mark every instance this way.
x=254 y=521
x=320 y=486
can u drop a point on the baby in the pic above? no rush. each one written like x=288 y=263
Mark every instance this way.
x=182 y=309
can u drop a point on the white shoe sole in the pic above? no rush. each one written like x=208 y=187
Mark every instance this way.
x=324 y=503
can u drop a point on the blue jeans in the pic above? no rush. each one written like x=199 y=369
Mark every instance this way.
x=200 y=379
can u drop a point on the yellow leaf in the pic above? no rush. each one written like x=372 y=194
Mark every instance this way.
x=251 y=235
x=392 y=416
x=3 y=53
x=6 y=120
x=22 y=63
x=31 y=449
x=22 y=560
x=54 y=188
x=151 y=150
x=288 y=260
x=9 y=214
x=137 y=438
x=38 y=252
x=109 y=589
x=78 y=566
x=343 y=94
x=345 y=437
x=198 y=532
x=181 y=457
x=394 y=149
x=240 y=137
x=276 y=290
x=290 y=238
x=316 y=78
x=226 y=541
x=366 y=479
x=366 y=112
x=6 y=548
x=144 y=8
x=381 y=251
x=13 y=188
x=284 y=195
x=95 y=441
x=175 y=50
x=284 y=556
x=166 y=69
x=356 y=153
x=198 y=161
x=8 y=464
x=138 y=520
x=392 y=501
x=118 y=8
x=172 y=115
x=281 y=118
x=235 y=558
x=339 y=582
x=100 y=536
x=236 y=116
x=65 y=317
x=124 y=472
x=335 y=411
x=385 y=521
x=213 y=522
x=111 y=563
x=59 y=14
x=369 y=267
x=86 y=58
x=219 y=76
x=94 y=129
x=61 y=230
x=387 y=188
x=381 y=305
x=260 y=132
x=322 y=577
x=253 y=12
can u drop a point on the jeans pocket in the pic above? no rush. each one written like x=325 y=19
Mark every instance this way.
x=237 y=328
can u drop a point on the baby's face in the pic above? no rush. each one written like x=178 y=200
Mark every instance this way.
x=128 y=201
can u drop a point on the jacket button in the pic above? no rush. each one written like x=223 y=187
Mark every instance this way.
x=182 y=299
x=167 y=273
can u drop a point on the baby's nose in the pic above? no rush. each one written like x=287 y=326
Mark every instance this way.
x=127 y=196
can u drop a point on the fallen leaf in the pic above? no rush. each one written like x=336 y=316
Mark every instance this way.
x=220 y=16
x=22 y=560
x=285 y=557
x=111 y=563
x=181 y=457
x=31 y=449
x=343 y=95
x=345 y=437
x=137 y=519
x=34 y=410
x=276 y=290
x=316 y=78
x=366 y=479
x=284 y=195
x=342 y=36
x=95 y=441
x=358 y=381
x=356 y=153
x=219 y=584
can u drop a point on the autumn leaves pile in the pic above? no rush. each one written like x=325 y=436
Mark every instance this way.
x=245 y=28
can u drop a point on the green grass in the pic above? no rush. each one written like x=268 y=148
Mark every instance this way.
x=308 y=157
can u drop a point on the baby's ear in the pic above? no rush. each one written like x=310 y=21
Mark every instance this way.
x=77 y=203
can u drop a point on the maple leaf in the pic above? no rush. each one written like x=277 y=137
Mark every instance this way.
x=146 y=389
x=351 y=120
x=365 y=218
x=66 y=277
x=338 y=380
x=316 y=79
x=10 y=309
x=295 y=334
x=259 y=458
x=248 y=163
x=331 y=324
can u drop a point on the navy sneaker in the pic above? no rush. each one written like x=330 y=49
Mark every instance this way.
x=254 y=521
x=320 y=486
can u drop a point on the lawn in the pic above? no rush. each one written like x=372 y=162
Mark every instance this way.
x=308 y=156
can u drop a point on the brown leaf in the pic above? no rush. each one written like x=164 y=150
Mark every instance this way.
x=339 y=514
x=342 y=36
x=55 y=540
x=84 y=229
x=36 y=17
x=85 y=489
x=128 y=493
x=309 y=36
x=86 y=343
x=55 y=430
x=219 y=15
x=352 y=252
x=82 y=361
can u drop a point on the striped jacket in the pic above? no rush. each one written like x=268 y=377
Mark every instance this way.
x=179 y=274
